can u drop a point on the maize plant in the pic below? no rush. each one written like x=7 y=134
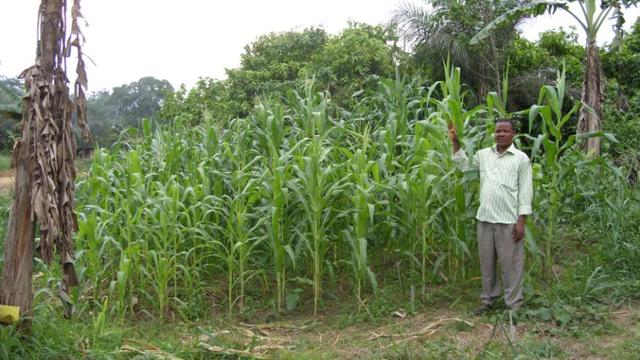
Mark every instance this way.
x=363 y=207
x=549 y=109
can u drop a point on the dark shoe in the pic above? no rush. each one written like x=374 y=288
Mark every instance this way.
x=482 y=309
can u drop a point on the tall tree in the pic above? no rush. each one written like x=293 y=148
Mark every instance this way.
x=590 y=20
x=45 y=174
x=354 y=60
x=271 y=65
x=125 y=106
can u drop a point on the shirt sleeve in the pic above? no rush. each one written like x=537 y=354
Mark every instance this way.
x=461 y=160
x=525 y=187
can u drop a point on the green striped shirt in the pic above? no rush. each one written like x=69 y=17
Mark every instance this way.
x=506 y=185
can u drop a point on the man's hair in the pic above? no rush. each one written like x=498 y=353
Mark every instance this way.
x=508 y=121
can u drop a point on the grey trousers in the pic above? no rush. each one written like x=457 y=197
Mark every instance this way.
x=495 y=243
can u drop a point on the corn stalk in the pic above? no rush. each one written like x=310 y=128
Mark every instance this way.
x=551 y=140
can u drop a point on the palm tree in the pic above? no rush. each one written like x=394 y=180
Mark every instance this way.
x=444 y=28
x=45 y=172
x=590 y=21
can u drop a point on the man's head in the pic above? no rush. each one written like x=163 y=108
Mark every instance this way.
x=504 y=133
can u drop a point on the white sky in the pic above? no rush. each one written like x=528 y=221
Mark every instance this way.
x=183 y=40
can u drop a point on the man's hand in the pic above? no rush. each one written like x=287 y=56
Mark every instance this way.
x=518 y=229
x=453 y=135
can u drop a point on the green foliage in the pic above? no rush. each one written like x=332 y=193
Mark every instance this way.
x=626 y=127
x=208 y=101
x=10 y=110
x=535 y=64
x=623 y=63
x=282 y=56
x=10 y=96
x=611 y=197
x=5 y=207
x=553 y=49
x=354 y=61
x=272 y=64
x=590 y=19
x=5 y=162
x=348 y=63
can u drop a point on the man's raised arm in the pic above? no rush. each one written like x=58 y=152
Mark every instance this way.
x=460 y=159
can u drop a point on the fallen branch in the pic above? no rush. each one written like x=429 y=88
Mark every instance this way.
x=434 y=324
x=264 y=348
x=153 y=351
x=256 y=335
x=375 y=336
x=221 y=350
x=400 y=342
x=422 y=331
x=336 y=341
x=277 y=326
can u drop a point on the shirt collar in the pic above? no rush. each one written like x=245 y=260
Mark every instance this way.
x=511 y=149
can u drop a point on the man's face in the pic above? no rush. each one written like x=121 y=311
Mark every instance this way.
x=504 y=134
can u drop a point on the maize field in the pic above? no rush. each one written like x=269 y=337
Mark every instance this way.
x=303 y=199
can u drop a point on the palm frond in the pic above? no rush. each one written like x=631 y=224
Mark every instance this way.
x=413 y=22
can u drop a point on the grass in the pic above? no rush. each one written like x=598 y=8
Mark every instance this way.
x=5 y=206
x=340 y=331
x=334 y=334
x=5 y=162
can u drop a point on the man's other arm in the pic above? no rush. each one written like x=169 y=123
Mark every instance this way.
x=525 y=195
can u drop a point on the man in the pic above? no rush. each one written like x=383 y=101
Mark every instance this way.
x=505 y=201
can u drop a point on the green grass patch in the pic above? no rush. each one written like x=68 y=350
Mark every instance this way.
x=5 y=162
x=5 y=210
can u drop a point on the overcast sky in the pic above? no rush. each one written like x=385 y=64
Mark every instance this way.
x=183 y=40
